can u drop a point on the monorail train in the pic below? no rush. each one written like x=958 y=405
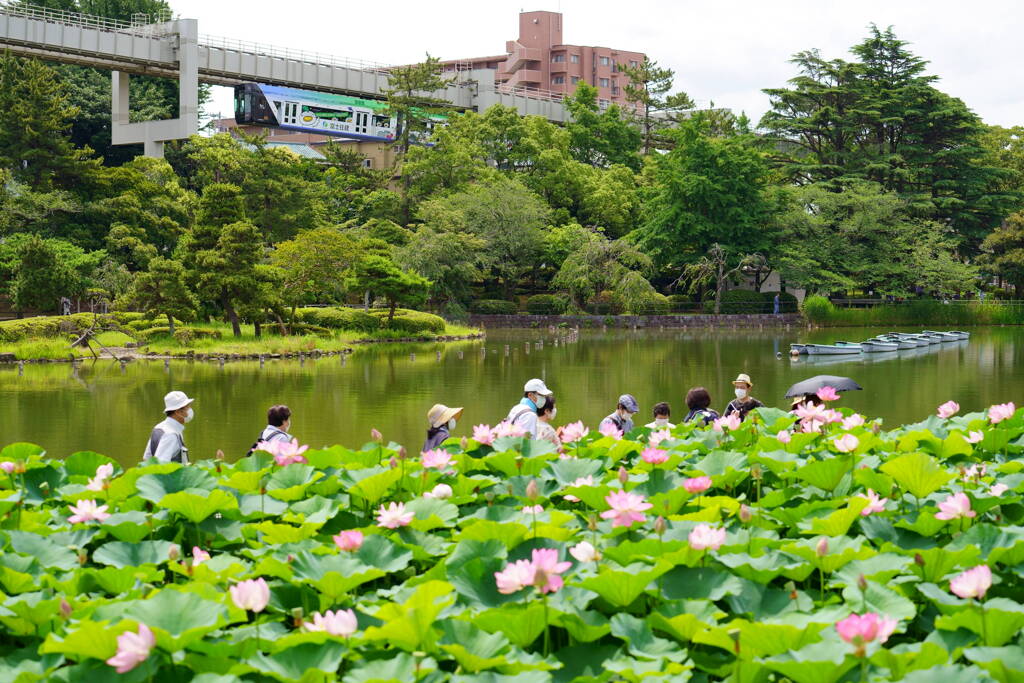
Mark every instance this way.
x=309 y=111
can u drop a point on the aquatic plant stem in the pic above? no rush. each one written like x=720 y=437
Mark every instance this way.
x=984 y=634
x=547 y=628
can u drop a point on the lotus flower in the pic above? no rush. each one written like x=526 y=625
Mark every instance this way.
x=86 y=511
x=828 y=394
x=658 y=436
x=515 y=577
x=341 y=623
x=948 y=409
x=441 y=491
x=706 y=537
x=654 y=456
x=349 y=541
x=533 y=509
x=809 y=412
x=7 y=466
x=821 y=548
x=832 y=415
x=626 y=508
x=376 y=436
x=574 y=431
x=998 y=489
x=508 y=429
x=875 y=504
x=609 y=429
x=697 y=484
x=132 y=649
x=581 y=481
x=861 y=630
x=784 y=437
x=854 y=421
x=103 y=473
x=976 y=471
x=284 y=452
x=199 y=556
x=847 y=443
x=251 y=595
x=974 y=437
x=483 y=434
x=584 y=552
x=730 y=422
x=547 y=568
x=811 y=427
x=394 y=516
x=436 y=459
x=955 y=506
x=973 y=583
x=1003 y=411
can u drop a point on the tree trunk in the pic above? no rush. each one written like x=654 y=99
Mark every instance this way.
x=225 y=301
x=257 y=329
x=366 y=301
x=719 y=283
x=280 y=323
x=391 y=313
x=170 y=324
x=291 y=320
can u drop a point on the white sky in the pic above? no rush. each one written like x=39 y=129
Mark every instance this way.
x=723 y=51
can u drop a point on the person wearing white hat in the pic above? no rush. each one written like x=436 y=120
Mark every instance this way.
x=166 y=441
x=442 y=421
x=744 y=402
x=524 y=413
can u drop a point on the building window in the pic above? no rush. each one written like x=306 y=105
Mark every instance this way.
x=575 y=59
x=367 y=163
x=575 y=79
x=604 y=82
x=558 y=80
x=603 y=104
x=605 y=61
x=560 y=57
x=615 y=90
x=633 y=63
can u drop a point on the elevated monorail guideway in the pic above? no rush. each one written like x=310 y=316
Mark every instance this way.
x=173 y=48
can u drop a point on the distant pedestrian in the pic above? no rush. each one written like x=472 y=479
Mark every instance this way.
x=744 y=402
x=776 y=303
x=442 y=420
x=166 y=441
x=279 y=423
x=622 y=418
x=524 y=413
x=698 y=400
x=662 y=413
x=544 y=417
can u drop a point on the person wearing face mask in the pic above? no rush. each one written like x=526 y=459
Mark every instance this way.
x=744 y=402
x=279 y=423
x=524 y=413
x=662 y=413
x=166 y=441
x=544 y=417
x=442 y=420
x=622 y=418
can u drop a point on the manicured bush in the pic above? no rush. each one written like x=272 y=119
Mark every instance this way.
x=683 y=303
x=182 y=334
x=546 y=304
x=53 y=326
x=337 y=318
x=411 y=322
x=493 y=307
x=787 y=302
x=655 y=304
x=606 y=303
x=737 y=301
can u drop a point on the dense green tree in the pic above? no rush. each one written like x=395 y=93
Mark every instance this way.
x=23 y=209
x=1003 y=252
x=647 y=90
x=449 y=259
x=598 y=265
x=162 y=290
x=409 y=97
x=382 y=276
x=600 y=138
x=40 y=278
x=313 y=267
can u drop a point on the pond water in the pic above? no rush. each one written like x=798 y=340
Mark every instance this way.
x=101 y=407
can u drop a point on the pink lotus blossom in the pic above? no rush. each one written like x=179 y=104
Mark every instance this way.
x=375 y=435
x=811 y=414
x=610 y=430
x=341 y=623
x=515 y=577
x=574 y=431
x=199 y=556
x=251 y=595
x=784 y=437
x=973 y=583
x=706 y=537
x=854 y=421
x=998 y=489
x=948 y=409
x=585 y=552
x=697 y=484
x=86 y=511
x=132 y=649
x=658 y=436
x=828 y=394
x=847 y=443
x=103 y=473
x=349 y=541
x=508 y=429
x=811 y=427
x=626 y=508
x=730 y=422
x=1000 y=412
x=832 y=415
x=974 y=437
x=436 y=459
x=394 y=516
x=284 y=452
x=7 y=466
x=976 y=471
x=955 y=506
x=821 y=548
x=483 y=434
x=654 y=456
x=875 y=504
x=533 y=509
x=547 y=568
x=581 y=481
x=861 y=630
x=441 y=491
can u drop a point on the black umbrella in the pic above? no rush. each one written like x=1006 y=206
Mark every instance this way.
x=812 y=385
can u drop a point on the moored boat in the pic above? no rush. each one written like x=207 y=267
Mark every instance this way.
x=832 y=349
x=901 y=344
x=875 y=346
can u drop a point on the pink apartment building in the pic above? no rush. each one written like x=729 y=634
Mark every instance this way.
x=539 y=60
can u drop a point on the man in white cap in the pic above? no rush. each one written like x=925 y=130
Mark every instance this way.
x=166 y=442
x=524 y=413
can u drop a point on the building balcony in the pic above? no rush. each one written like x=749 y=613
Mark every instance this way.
x=519 y=55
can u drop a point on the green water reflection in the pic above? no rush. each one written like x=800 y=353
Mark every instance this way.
x=100 y=407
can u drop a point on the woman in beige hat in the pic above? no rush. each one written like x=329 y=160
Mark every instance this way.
x=744 y=402
x=442 y=421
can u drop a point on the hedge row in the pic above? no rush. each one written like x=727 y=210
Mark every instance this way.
x=358 y=320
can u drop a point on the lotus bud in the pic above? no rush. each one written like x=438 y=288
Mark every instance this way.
x=918 y=560
x=489 y=497
x=376 y=436
x=463 y=443
x=862 y=583
x=219 y=455
x=297 y=615
x=393 y=462
x=791 y=587
x=173 y=553
x=745 y=513
x=660 y=525
x=755 y=471
x=821 y=549
x=531 y=491
x=65 y=608
x=592 y=523
x=875 y=427
x=289 y=559
x=734 y=634
x=402 y=453
x=623 y=475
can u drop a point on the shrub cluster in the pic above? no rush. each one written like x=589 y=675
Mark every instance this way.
x=546 y=304
x=494 y=307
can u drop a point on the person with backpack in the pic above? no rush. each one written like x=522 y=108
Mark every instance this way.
x=279 y=422
x=698 y=400
x=622 y=418
x=524 y=413
x=166 y=441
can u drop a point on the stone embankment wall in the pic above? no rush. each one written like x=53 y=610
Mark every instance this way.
x=629 y=321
